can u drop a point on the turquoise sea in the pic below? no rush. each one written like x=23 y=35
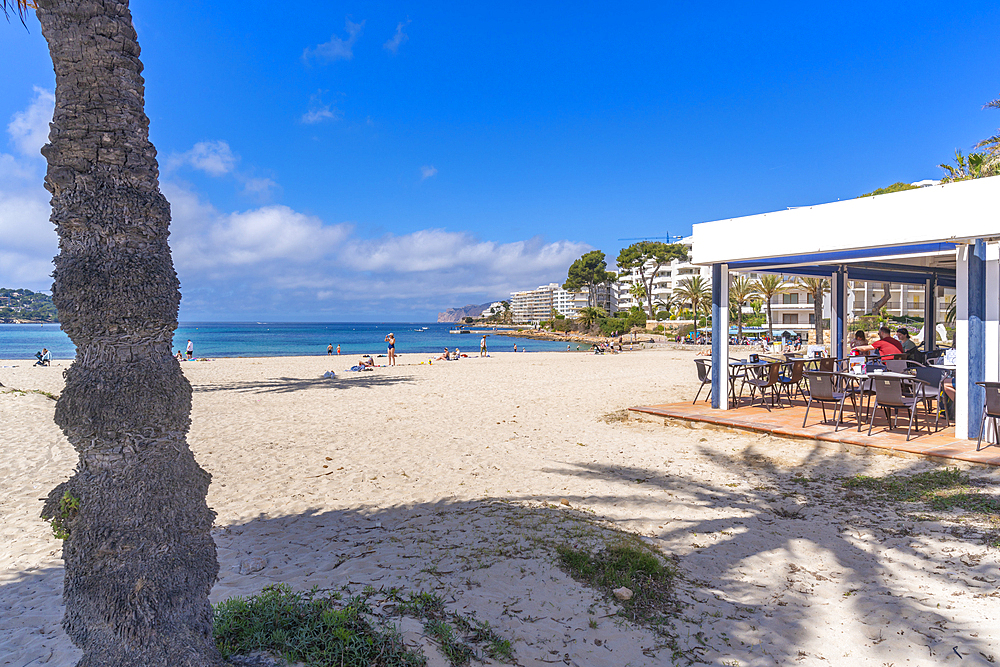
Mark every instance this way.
x=280 y=339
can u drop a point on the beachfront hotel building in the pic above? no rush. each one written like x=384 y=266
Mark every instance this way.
x=534 y=306
x=664 y=281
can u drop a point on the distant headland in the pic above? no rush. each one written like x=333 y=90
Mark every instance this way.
x=22 y=306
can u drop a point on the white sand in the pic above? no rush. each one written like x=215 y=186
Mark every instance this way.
x=406 y=475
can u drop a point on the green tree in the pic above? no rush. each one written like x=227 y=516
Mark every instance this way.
x=741 y=291
x=589 y=316
x=895 y=187
x=768 y=286
x=646 y=258
x=696 y=291
x=817 y=287
x=589 y=271
x=138 y=553
x=966 y=167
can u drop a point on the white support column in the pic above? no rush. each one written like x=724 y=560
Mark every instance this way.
x=992 y=312
x=961 y=335
x=720 y=336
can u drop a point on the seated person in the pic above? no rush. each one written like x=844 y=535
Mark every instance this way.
x=904 y=340
x=367 y=362
x=859 y=340
x=886 y=345
x=179 y=356
x=444 y=356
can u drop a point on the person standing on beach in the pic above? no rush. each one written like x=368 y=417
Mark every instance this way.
x=190 y=349
x=391 y=339
x=482 y=347
x=515 y=347
x=329 y=350
x=338 y=348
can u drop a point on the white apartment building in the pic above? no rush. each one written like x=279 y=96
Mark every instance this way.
x=533 y=306
x=663 y=282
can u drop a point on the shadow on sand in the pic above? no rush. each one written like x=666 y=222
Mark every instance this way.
x=283 y=385
x=494 y=556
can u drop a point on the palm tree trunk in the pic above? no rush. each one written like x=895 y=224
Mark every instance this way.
x=818 y=316
x=140 y=560
x=770 y=324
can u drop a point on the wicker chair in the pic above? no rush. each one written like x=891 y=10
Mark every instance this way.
x=991 y=411
x=704 y=367
x=768 y=378
x=823 y=390
x=889 y=396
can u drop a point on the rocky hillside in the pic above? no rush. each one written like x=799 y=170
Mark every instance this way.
x=456 y=314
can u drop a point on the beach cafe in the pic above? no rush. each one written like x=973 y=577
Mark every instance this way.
x=937 y=236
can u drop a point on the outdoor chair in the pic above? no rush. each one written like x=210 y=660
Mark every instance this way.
x=827 y=365
x=991 y=410
x=932 y=387
x=823 y=390
x=900 y=365
x=793 y=379
x=767 y=378
x=889 y=396
x=704 y=367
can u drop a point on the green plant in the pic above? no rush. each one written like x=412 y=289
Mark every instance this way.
x=69 y=507
x=312 y=627
x=940 y=489
x=629 y=563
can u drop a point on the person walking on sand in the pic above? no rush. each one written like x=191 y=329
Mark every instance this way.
x=190 y=350
x=391 y=339
x=329 y=350
x=482 y=347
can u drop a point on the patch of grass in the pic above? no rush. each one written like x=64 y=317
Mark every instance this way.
x=632 y=564
x=438 y=622
x=317 y=628
x=457 y=651
x=941 y=489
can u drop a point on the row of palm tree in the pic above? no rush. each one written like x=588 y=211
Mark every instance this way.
x=696 y=291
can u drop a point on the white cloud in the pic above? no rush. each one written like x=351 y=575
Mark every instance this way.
x=336 y=48
x=28 y=241
x=29 y=129
x=276 y=255
x=318 y=111
x=215 y=158
x=394 y=42
x=427 y=171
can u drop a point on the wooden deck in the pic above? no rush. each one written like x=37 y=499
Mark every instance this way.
x=787 y=421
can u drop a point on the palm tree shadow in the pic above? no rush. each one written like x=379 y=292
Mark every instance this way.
x=766 y=550
x=285 y=384
x=482 y=557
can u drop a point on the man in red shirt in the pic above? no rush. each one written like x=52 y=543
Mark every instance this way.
x=886 y=345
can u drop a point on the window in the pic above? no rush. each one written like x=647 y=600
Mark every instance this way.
x=790 y=318
x=789 y=299
x=809 y=298
x=812 y=318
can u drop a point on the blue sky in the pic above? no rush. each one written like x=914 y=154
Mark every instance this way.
x=384 y=161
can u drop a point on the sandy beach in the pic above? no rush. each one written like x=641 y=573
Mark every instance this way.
x=450 y=478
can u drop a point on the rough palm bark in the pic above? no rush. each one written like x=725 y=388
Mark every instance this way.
x=140 y=560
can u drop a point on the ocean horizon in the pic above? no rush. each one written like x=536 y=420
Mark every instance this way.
x=282 y=339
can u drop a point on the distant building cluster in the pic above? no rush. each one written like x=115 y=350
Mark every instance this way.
x=792 y=310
